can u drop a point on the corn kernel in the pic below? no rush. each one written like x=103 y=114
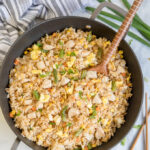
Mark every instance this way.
x=36 y=71
x=93 y=43
x=29 y=49
x=35 y=47
x=25 y=52
x=48 y=130
x=78 y=103
x=83 y=126
x=120 y=52
x=85 y=46
x=121 y=56
x=93 y=145
x=40 y=137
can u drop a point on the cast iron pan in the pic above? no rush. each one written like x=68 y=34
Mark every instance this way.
x=100 y=30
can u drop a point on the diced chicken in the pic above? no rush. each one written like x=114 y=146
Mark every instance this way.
x=99 y=133
x=105 y=79
x=58 y=146
x=88 y=136
x=47 y=47
x=27 y=102
x=97 y=99
x=112 y=97
x=119 y=121
x=85 y=53
x=41 y=65
x=47 y=84
x=120 y=69
x=73 y=112
x=79 y=88
x=57 y=119
x=64 y=81
x=91 y=74
x=70 y=44
x=50 y=117
x=32 y=115
x=39 y=105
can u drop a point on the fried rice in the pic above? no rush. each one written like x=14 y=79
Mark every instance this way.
x=60 y=105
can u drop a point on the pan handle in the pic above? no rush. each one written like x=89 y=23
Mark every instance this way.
x=109 y=5
x=15 y=144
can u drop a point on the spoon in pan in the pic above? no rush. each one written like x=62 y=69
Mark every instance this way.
x=102 y=67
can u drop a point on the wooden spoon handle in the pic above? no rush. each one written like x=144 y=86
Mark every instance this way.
x=122 y=31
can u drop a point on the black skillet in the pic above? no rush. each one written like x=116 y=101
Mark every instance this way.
x=100 y=30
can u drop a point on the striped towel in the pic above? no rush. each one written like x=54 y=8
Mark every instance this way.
x=16 y=16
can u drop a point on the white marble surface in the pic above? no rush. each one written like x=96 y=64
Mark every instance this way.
x=142 y=52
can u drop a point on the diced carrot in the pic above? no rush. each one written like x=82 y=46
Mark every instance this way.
x=123 y=74
x=64 y=124
x=16 y=62
x=85 y=148
x=77 y=140
x=49 y=89
x=33 y=108
x=11 y=115
x=54 y=34
x=97 y=108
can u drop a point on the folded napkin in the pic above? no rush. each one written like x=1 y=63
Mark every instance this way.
x=16 y=16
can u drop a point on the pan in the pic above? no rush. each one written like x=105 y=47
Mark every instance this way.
x=100 y=30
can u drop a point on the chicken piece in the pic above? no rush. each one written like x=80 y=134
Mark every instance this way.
x=70 y=44
x=73 y=112
x=47 y=84
x=41 y=65
x=64 y=81
x=97 y=99
x=91 y=74
x=58 y=146
x=99 y=133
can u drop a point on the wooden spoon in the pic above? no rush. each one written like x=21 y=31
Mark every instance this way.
x=102 y=67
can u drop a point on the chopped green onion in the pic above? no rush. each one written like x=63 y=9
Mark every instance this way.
x=70 y=71
x=146 y=79
x=55 y=75
x=137 y=126
x=89 y=37
x=45 y=75
x=80 y=94
x=58 y=65
x=44 y=51
x=75 y=78
x=69 y=84
x=99 y=120
x=62 y=72
x=130 y=42
x=36 y=94
x=78 y=148
x=18 y=113
x=73 y=54
x=69 y=124
x=113 y=86
x=63 y=113
x=61 y=42
x=39 y=44
x=40 y=110
x=100 y=53
x=79 y=132
x=83 y=74
x=89 y=146
x=61 y=53
x=92 y=116
x=123 y=141
x=101 y=1
x=52 y=123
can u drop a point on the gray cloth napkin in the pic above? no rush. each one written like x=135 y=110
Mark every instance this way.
x=16 y=16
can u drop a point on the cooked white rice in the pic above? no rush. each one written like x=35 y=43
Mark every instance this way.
x=58 y=104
